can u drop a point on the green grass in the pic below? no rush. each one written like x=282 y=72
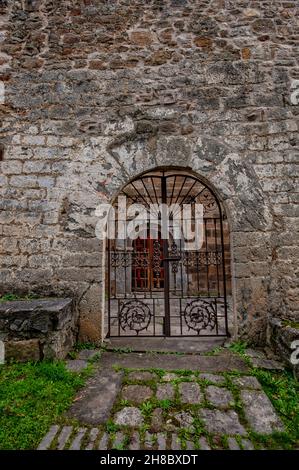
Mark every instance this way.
x=32 y=397
x=292 y=324
x=88 y=345
x=11 y=297
x=283 y=391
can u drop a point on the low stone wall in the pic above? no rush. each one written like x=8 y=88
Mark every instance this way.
x=38 y=329
x=281 y=338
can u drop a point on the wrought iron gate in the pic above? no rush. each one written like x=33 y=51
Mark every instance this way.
x=155 y=286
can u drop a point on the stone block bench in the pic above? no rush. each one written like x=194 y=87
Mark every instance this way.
x=38 y=329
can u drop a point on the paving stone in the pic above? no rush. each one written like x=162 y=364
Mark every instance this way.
x=76 y=444
x=76 y=365
x=157 y=422
x=260 y=412
x=129 y=416
x=175 y=442
x=219 y=397
x=247 y=382
x=103 y=443
x=92 y=438
x=169 y=377
x=247 y=444
x=165 y=392
x=189 y=445
x=118 y=440
x=93 y=404
x=49 y=437
x=216 y=379
x=204 y=443
x=64 y=436
x=182 y=419
x=136 y=393
x=255 y=353
x=232 y=444
x=190 y=392
x=224 y=362
x=149 y=440
x=134 y=441
x=87 y=354
x=142 y=375
x=268 y=364
x=221 y=422
x=161 y=441
x=175 y=344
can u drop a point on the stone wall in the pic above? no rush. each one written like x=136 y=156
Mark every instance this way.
x=93 y=93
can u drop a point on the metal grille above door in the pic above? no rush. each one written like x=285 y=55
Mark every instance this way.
x=156 y=287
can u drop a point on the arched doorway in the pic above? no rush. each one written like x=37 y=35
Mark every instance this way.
x=159 y=285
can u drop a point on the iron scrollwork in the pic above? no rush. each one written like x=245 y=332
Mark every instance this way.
x=140 y=259
x=193 y=259
x=120 y=259
x=174 y=253
x=208 y=201
x=201 y=315
x=157 y=258
x=135 y=315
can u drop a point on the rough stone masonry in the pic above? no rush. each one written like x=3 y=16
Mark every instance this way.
x=93 y=93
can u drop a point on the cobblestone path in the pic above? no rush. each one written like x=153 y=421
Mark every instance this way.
x=127 y=408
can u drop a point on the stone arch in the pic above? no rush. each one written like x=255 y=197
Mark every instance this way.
x=236 y=185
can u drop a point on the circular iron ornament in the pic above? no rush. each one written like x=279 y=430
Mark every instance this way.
x=208 y=201
x=135 y=315
x=200 y=315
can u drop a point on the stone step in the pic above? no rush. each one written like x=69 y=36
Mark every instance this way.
x=224 y=362
x=64 y=437
x=49 y=437
x=103 y=443
x=68 y=439
x=183 y=345
x=76 y=444
x=94 y=432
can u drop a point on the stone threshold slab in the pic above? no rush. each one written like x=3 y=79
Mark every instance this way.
x=183 y=345
x=224 y=362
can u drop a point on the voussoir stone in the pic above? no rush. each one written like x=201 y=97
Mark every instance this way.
x=221 y=422
x=260 y=412
x=129 y=416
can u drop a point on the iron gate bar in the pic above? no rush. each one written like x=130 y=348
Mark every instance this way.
x=167 y=330
x=224 y=275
